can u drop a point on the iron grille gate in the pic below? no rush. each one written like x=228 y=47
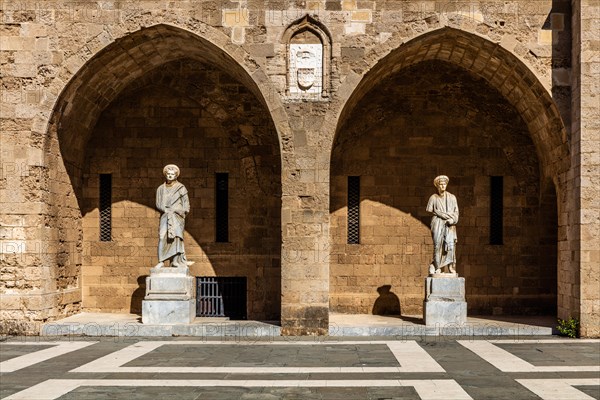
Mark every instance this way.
x=221 y=296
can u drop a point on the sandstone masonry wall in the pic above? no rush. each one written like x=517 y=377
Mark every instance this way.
x=63 y=64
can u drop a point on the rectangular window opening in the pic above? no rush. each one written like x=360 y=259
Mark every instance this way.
x=105 y=207
x=222 y=207
x=221 y=296
x=496 y=210
x=353 y=209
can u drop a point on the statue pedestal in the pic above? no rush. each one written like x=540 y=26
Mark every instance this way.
x=170 y=297
x=444 y=300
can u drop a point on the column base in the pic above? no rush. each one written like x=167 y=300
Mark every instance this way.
x=444 y=302
x=170 y=297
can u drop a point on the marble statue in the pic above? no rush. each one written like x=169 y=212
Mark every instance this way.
x=444 y=207
x=173 y=203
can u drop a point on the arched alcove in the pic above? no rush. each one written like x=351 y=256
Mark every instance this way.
x=446 y=103
x=164 y=95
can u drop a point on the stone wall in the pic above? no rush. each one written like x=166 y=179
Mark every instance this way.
x=424 y=121
x=585 y=223
x=63 y=64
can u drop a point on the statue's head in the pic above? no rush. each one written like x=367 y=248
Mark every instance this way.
x=442 y=179
x=171 y=172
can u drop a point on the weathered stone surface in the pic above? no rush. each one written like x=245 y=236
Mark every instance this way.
x=167 y=312
x=67 y=70
x=444 y=302
x=165 y=284
x=444 y=313
x=170 y=296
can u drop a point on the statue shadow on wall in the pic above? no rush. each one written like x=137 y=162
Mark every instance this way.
x=138 y=295
x=387 y=303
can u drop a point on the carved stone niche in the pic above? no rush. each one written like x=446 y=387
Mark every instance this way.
x=308 y=58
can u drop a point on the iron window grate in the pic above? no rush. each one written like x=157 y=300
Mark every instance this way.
x=221 y=297
x=496 y=209
x=222 y=207
x=353 y=209
x=105 y=207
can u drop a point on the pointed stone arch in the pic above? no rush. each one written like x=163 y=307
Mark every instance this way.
x=89 y=83
x=489 y=61
x=101 y=78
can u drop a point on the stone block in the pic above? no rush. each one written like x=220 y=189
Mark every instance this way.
x=444 y=313
x=170 y=297
x=354 y=28
x=349 y=5
x=164 y=312
x=237 y=17
x=361 y=16
x=170 y=284
x=444 y=301
x=314 y=5
x=262 y=50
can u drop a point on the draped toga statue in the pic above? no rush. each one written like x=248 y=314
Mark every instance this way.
x=444 y=207
x=173 y=203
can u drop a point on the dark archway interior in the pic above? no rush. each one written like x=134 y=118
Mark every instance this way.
x=429 y=119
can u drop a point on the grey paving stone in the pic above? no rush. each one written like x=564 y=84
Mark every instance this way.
x=223 y=393
x=264 y=355
x=478 y=378
x=552 y=354
x=132 y=393
x=592 y=391
x=14 y=350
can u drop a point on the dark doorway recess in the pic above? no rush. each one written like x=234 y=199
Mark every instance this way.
x=221 y=296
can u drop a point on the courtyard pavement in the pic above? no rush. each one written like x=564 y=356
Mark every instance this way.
x=184 y=368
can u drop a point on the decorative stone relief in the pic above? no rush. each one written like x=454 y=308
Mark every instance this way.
x=306 y=69
x=308 y=57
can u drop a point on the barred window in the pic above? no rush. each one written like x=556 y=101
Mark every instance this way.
x=222 y=207
x=353 y=209
x=496 y=209
x=105 y=207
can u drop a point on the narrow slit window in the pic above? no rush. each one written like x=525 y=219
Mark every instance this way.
x=105 y=207
x=353 y=209
x=222 y=207
x=496 y=209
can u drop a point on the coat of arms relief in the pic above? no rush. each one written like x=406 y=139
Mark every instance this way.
x=306 y=69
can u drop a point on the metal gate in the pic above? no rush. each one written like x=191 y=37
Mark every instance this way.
x=221 y=296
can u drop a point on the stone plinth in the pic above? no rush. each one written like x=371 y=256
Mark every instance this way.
x=444 y=300
x=170 y=297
